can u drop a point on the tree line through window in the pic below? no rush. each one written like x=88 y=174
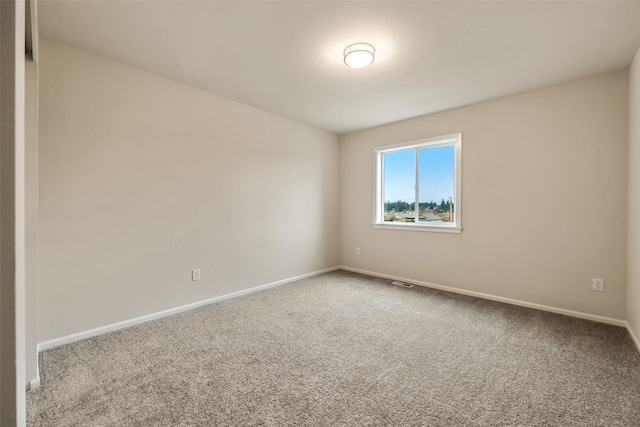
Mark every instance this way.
x=400 y=211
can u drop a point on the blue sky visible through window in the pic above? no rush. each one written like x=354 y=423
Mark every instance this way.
x=436 y=174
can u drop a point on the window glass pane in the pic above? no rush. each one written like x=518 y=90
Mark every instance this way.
x=436 y=184
x=399 y=190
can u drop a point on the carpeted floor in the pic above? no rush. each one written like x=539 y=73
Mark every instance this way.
x=343 y=349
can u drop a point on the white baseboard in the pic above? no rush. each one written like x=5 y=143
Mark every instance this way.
x=557 y=310
x=633 y=336
x=45 y=345
x=56 y=342
x=34 y=383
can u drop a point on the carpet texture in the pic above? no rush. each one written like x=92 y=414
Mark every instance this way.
x=342 y=349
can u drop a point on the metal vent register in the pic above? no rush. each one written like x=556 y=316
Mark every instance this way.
x=402 y=284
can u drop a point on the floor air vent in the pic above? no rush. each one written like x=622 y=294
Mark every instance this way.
x=402 y=284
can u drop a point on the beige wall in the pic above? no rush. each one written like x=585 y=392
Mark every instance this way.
x=143 y=179
x=544 y=195
x=633 y=255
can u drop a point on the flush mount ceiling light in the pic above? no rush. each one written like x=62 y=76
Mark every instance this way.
x=359 y=55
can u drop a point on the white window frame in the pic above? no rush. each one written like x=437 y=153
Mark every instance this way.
x=455 y=140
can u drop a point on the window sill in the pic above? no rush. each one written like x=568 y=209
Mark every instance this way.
x=418 y=227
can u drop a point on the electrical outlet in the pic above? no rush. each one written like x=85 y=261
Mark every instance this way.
x=357 y=251
x=598 y=285
x=195 y=274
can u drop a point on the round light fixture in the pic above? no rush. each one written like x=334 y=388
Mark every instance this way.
x=359 y=55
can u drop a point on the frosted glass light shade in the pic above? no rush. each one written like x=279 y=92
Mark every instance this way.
x=359 y=55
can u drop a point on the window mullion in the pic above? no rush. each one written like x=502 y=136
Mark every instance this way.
x=417 y=194
x=382 y=195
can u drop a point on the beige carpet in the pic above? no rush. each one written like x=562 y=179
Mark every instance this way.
x=346 y=350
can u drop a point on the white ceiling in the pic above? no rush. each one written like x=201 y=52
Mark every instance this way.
x=286 y=57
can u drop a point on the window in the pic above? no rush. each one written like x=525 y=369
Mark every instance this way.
x=418 y=185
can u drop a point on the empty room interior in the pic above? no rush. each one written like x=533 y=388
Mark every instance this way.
x=321 y=213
